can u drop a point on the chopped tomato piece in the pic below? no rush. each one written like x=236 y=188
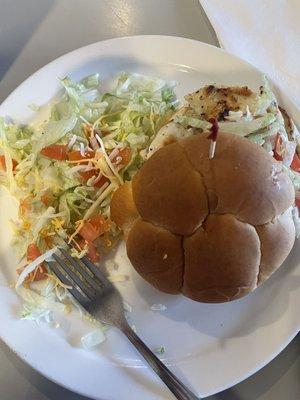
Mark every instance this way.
x=33 y=253
x=86 y=175
x=47 y=198
x=125 y=154
x=93 y=228
x=88 y=232
x=97 y=221
x=296 y=163
x=40 y=273
x=92 y=253
x=276 y=150
x=55 y=151
x=101 y=182
x=3 y=164
x=77 y=156
x=49 y=241
x=25 y=205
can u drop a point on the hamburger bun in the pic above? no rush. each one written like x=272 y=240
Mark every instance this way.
x=211 y=229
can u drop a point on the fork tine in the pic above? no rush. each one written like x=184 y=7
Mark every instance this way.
x=91 y=278
x=76 y=294
x=93 y=269
x=96 y=271
x=88 y=291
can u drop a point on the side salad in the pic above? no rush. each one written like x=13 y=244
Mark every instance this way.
x=64 y=170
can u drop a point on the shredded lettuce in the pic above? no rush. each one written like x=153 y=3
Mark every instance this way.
x=160 y=350
x=246 y=128
x=138 y=107
x=53 y=132
x=158 y=307
x=56 y=194
x=35 y=301
x=91 y=81
x=264 y=133
x=92 y=339
x=192 y=122
x=128 y=116
x=36 y=314
x=266 y=99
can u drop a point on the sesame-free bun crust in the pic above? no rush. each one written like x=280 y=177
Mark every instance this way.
x=123 y=209
x=157 y=255
x=210 y=229
x=169 y=185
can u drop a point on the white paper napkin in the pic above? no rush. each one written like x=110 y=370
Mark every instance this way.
x=265 y=33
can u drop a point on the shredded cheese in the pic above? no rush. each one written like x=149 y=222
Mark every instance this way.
x=57 y=282
x=114 y=153
x=98 y=178
x=33 y=265
x=71 y=143
x=114 y=278
x=79 y=227
x=94 y=143
x=82 y=152
x=108 y=189
x=108 y=160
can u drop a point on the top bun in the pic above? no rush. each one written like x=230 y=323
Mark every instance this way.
x=212 y=229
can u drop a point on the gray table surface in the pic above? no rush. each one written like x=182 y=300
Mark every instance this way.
x=34 y=32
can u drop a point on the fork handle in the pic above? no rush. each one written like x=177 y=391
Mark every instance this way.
x=180 y=391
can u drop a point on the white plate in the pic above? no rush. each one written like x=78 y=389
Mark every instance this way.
x=210 y=346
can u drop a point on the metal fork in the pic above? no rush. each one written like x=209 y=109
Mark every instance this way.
x=101 y=299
